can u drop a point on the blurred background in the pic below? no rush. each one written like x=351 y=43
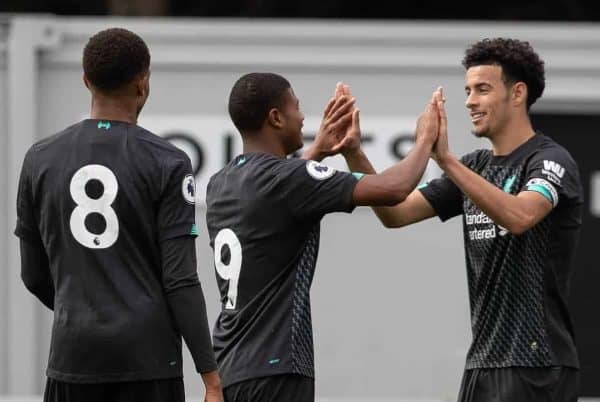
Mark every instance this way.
x=390 y=307
x=534 y=10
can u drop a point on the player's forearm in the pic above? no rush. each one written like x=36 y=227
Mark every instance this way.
x=503 y=208
x=189 y=311
x=186 y=300
x=35 y=272
x=394 y=184
x=359 y=162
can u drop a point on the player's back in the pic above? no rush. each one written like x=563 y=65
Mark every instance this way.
x=263 y=217
x=98 y=189
x=243 y=198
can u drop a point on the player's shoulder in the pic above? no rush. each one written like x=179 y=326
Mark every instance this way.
x=251 y=164
x=478 y=157
x=298 y=169
x=51 y=146
x=158 y=146
x=56 y=139
x=548 y=149
x=262 y=168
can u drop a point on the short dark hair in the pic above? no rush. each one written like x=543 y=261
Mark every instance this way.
x=519 y=62
x=252 y=96
x=114 y=57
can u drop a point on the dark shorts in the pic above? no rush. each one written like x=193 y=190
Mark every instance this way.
x=280 y=388
x=523 y=384
x=164 y=390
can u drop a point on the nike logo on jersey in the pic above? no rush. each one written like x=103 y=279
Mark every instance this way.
x=509 y=183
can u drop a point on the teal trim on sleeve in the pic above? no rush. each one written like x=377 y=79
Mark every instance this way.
x=194 y=231
x=358 y=176
x=541 y=190
x=422 y=185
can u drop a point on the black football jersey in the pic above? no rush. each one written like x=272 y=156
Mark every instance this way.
x=101 y=195
x=263 y=218
x=519 y=284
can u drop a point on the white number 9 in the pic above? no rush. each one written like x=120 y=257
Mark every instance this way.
x=229 y=272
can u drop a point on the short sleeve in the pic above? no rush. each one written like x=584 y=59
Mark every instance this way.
x=176 y=208
x=445 y=197
x=26 y=228
x=553 y=173
x=312 y=189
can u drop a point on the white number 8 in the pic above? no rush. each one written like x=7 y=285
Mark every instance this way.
x=87 y=205
x=231 y=271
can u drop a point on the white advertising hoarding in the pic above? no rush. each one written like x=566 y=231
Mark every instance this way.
x=212 y=140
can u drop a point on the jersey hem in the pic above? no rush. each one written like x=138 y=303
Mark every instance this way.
x=228 y=383
x=112 y=377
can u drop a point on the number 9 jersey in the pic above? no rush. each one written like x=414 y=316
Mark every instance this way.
x=263 y=217
x=100 y=197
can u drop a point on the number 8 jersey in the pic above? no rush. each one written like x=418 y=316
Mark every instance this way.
x=100 y=196
x=263 y=217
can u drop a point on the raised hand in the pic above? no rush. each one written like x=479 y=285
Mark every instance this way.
x=349 y=140
x=441 y=148
x=336 y=118
x=428 y=122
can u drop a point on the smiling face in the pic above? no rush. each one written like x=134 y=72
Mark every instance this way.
x=488 y=100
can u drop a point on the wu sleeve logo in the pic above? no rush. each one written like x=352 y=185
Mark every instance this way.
x=553 y=171
x=554 y=167
x=319 y=171
x=188 y=189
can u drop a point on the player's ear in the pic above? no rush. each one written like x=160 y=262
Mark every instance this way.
x=519 y=93
x=275 y=118
x=86 y=82
x=143 y=85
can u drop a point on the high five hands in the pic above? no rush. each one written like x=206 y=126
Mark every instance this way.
x=432 y=125
x=340 y=128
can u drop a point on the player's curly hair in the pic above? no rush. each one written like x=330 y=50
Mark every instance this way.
x=114 y=57
x=252 y=96
x=519 y=62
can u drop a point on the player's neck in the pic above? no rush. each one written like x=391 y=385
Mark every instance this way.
x=258 y=143
x=515 y=134
x=115 y=109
